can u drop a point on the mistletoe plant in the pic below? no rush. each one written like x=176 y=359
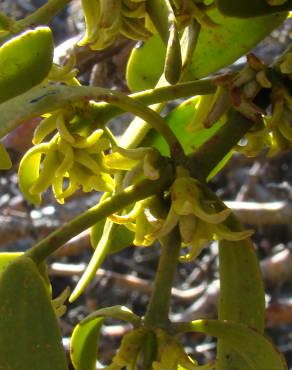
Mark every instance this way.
x=154 y=178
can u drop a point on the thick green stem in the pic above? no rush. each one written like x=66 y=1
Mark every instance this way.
x=138 y=129
x=211 y=153
x=132 y=194
x=158 y=307
x=158 y=95
x=42 y=100
x=45 y=99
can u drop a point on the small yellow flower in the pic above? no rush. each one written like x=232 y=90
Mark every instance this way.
x=144 y=219
x=198 y=220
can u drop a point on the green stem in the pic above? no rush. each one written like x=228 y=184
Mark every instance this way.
x=158 y=307
x=6 y=22
x=49 y=98
x=138 y=129
x=201 y=164
x=144 y=189
x=43 y=15
x=42 y=100
x=211 y=153
x=106 y=111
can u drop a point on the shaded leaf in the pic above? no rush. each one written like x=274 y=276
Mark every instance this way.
x=256 y=349
x=121 y=237
x=213 y=49
x=242 y=296
x=220 y=165
x=251 y=8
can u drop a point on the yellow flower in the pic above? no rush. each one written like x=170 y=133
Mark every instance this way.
x=198 y=220
x=144 y=219
x=66 y=160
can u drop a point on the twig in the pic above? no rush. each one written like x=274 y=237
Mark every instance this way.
x=275 y=269
x=128 y=281
x=271 y=213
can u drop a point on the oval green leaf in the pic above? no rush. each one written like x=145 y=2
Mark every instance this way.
x=84 y=343
x=30 y=334
x=242 y=297
x=256 y=349
x=28 y=172
x=6 y=258
x=213 y=49
x=25 y=61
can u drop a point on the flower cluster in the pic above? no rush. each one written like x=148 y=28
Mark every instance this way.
x=196 y=215
x=72 y=159
x=106 y=18
x=270 y=130
x=66 y=159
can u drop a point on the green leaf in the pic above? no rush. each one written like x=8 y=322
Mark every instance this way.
x=256 y=349
x=28 y=172
x=214 y=49
x=85 y=337
x=6 y=258
x=30 y=334
x=251 y=8
x=25 y=61
x=84 y=342
x=178 y=119
x=121 y=237
x=242 y=296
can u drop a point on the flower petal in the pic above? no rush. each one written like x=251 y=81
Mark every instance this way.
x=222 y=232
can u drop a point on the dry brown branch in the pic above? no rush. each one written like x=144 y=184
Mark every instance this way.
x=276 y=270
x=271 y=213
x=254 y=213
x=128 y=281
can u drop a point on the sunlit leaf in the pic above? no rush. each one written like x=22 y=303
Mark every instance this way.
x=84 y=343
x=6 y=258
x=178 y=119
